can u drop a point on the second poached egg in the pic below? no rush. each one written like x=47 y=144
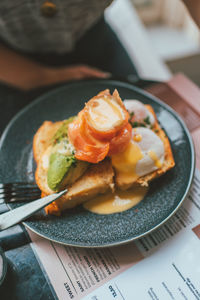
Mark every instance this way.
x=144 y=154
x=139 y=113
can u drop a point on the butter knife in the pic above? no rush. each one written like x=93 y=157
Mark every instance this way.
x=19 y=214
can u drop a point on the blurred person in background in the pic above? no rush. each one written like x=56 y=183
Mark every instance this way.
x=46 y=42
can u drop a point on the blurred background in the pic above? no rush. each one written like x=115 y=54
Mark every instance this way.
x=173 y=35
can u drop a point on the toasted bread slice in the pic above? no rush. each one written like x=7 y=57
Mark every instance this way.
x=127 y=182
x=43 y=137
x=97 y=179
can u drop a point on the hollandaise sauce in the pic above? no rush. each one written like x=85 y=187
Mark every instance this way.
x=116 y=202
x=125 y=162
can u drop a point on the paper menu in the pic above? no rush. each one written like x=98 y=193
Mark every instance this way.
x=168 y=273
x=76 y=272
x=162 y=265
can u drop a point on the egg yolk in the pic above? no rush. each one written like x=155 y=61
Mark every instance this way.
x=154 y=157
x=125 y=162
x=137 y=137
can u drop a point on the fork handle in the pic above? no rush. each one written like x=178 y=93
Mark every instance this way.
x=18 y=214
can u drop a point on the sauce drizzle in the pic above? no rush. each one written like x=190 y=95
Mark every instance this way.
x=116 y=202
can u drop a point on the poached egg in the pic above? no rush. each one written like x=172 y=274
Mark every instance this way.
x=144 y=154
x=139 y=113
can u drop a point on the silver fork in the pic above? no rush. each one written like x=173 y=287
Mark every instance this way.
x=18 y=192
x=18 y=214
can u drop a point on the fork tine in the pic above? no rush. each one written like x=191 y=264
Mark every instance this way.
x=19 y=198
x=22 y=199
x=18 y=190
x=18 y=195
x=18 y=184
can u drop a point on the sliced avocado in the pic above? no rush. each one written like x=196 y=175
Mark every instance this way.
x=59 y=165
x=62 y=132
x=64 y=170
x=75 y=171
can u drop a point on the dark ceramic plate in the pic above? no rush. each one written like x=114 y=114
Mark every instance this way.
x=79 y=227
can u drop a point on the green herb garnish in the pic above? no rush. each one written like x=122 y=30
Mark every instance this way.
x=147 y=120
x=62 y=132
x=134 y=124
x=131 y=115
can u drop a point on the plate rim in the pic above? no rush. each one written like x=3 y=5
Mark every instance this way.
x=140 y=91
x=5 y=266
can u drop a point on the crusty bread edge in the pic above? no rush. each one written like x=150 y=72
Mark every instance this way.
x=37 y=137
